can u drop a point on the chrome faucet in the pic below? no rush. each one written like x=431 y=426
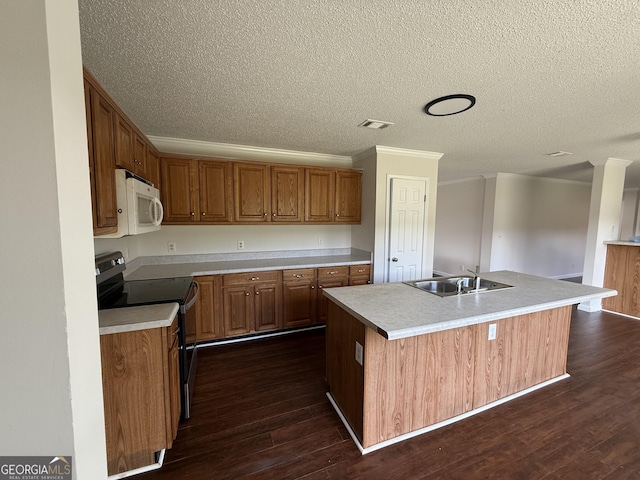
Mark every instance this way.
x=476 y=276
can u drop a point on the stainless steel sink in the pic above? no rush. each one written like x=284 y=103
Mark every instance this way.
x=457 y=285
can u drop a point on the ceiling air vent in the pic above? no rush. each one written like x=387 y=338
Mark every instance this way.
x=559 y=153
x=375 y=124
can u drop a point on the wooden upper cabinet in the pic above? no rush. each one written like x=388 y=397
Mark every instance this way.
x=287 y=193
x=319 y=195
x=102 y=158
x=179 y=191
x=140 y=156
x=348 y=196
x=124 y=136
x=216 y=198
x=251 y=187
x=152 y=166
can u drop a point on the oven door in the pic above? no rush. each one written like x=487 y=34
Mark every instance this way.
x=189 y=352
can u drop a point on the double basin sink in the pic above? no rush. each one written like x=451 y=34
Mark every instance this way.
x=457 y=285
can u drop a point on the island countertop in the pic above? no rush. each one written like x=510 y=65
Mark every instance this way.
x=397 y=310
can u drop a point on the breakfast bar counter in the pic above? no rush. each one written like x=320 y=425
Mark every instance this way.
x=402 y=361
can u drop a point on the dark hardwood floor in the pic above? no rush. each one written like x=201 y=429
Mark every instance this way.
x=260 y=412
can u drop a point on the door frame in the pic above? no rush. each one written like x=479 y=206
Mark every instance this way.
x=387 y=225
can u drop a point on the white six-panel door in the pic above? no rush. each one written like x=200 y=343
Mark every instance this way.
x=406 y=229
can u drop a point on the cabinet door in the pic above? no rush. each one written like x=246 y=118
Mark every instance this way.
x=179 y=180
x=92 y=173
x=140 y=156
x=209 y=308
x=319 y=195
x=329 y=277
x=173 y=395
x=267 y=298
x=216 y=198
x=287 y=194
x=152 y=165
x=133 y=377
x=238 y=310
x=359 y=274
x=348 y=196
x=299 y=303
x=251 y=192
x=104 y=164
x=124 y=136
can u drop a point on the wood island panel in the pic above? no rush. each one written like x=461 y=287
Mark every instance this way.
x=344 y=374
x=622 y=273
x=528 y=350
x=414 y=382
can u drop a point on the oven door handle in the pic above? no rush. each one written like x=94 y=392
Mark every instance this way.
x=187 y=306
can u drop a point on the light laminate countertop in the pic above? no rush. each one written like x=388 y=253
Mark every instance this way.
x=396 y=310
x=192 y=269
x=130 y=319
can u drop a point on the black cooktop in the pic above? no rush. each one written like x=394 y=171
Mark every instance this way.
x=145 y=292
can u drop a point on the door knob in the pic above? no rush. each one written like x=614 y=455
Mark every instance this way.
x=394 y=259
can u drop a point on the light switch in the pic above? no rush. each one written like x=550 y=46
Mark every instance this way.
x=359 y=353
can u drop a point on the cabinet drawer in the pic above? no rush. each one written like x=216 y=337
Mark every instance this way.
x=299 y=274
x=331 y=272
x=250 y=277
x=359 y=270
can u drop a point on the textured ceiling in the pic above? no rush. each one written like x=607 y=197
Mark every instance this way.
x=301 y=75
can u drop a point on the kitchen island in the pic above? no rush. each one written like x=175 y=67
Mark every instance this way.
x=402 y=361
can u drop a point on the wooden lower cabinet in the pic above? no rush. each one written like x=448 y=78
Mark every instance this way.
x=141 y=391
x=209 y=324
x=252 y=302
x=299 y=297
x=245 y=303
x=329 y=277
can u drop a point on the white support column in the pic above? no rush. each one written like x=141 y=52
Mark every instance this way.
x=604 y=221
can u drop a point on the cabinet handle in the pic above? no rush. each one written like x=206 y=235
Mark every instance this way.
x=203 y=214
x=319 y=286
x=298 y=276
x=333 y=272
x=360 y=270
x=312 y=287
x=265 y=214
x=254 y=278
x=246 y=293
x=337 y=214
x=273 y=215
x=193 y=214
x=257 y=293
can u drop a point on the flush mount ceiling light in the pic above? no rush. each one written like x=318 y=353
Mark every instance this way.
x=375 y=124
x=449 y=105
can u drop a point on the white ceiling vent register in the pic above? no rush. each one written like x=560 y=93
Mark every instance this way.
x=375 y=124
x=559 y=153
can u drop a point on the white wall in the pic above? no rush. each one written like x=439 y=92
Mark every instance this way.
x=540 y=225
x=459 y=225
x=224 y=239
x=50 y=370
x=513 y=222
x=378 y=163
x=629 y=214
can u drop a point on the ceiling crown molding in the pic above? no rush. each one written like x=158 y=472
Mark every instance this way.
x=406 y=152
x=245 y=152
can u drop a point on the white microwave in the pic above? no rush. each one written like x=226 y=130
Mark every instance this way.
x=139 y=206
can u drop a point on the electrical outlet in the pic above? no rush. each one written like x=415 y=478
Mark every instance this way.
x=492 y=331
x=171 y=246
x=240 y=244
x=359 y=353
x=321 y=242
x=462 y=269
